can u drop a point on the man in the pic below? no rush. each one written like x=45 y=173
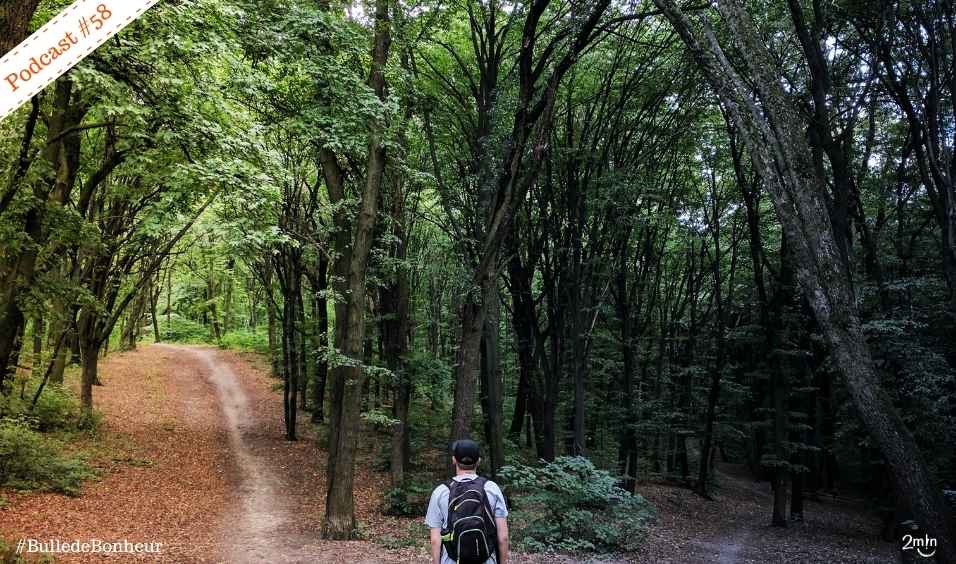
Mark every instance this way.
x=471 y=530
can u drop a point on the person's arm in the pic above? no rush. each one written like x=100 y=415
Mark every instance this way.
x=504 y=549
x=436 y=545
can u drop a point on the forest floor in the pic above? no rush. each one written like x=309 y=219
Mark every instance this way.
x=191 y=455
x=735 y=527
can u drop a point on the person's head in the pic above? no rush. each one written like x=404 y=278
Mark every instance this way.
x=465 y=455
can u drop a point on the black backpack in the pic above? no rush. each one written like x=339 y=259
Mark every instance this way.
x=471 y=536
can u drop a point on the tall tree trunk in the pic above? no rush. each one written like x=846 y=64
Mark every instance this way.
x=521 y=401
x=227 y=301
x=275 y=351
x=339 y=522
x=154 y=291
x=215 y=326
x=627 y=444
x=300 y=359
x=320 y=321
x=720 y=346
x=491 y=383
x=781 y=470
x=467 y=365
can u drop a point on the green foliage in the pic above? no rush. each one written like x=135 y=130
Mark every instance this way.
x=379 y=420
x=414 y=535
x=409 y=500
x=246 y=340
x=31 y=461
x=183 y=330
x=57 y=408
x=432 y=376
x=570 y=505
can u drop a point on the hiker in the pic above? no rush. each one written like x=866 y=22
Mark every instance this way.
x=474 y=528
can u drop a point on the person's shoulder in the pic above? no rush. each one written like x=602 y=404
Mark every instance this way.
x=490 y=484
x=440 y=489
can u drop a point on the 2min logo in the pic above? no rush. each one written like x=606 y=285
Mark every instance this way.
x=925 y=546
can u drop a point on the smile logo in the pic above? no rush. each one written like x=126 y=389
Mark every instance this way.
x=924 y=546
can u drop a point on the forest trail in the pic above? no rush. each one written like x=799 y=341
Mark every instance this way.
x=264 y=523
x=258 y=534
x=191 y=454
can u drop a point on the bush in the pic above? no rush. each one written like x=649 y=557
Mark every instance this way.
x=569 y=505
x=57 y=409
x=414 y=535
x=183 y=330
x=31 y=461
x=410 y=500
x=246 y=340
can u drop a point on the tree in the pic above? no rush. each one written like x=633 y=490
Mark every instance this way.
x=352 y=265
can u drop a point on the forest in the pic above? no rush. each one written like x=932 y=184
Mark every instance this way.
x=640 y=251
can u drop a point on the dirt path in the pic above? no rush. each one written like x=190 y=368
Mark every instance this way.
x=257 y=534
x=192 y=456
x=164 y=464
x=276 y=487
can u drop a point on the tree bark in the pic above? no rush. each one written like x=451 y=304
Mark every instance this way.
x=491 y=383
x=320 y=344
x=15 y=17
x=339 y=522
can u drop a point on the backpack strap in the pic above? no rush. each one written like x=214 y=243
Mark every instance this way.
x=450 y=484
x=480 y=481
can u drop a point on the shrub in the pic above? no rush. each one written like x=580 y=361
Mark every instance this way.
x=183 y=330
x=57 y=409
x=410 y=500
x=414 y=535
x=246 y=340
x=569 y=505
x=29 y=460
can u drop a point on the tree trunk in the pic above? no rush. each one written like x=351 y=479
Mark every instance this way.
x=300 y=359
x=153 y=298
x=467 y=365
x=491 y=383
x=227 y=301
x=275 y=352
x=211 y=307
x=37 y=363
x=781 y=471
x=719 y=345
x=89 y=378
x=521 y=401
x=627 y=442
x=339 y=522
x=320 y=316
x=15 y=17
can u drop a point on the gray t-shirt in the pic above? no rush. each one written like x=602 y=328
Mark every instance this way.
x=437 y=516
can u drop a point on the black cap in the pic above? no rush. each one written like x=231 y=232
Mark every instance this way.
x=466 y=451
